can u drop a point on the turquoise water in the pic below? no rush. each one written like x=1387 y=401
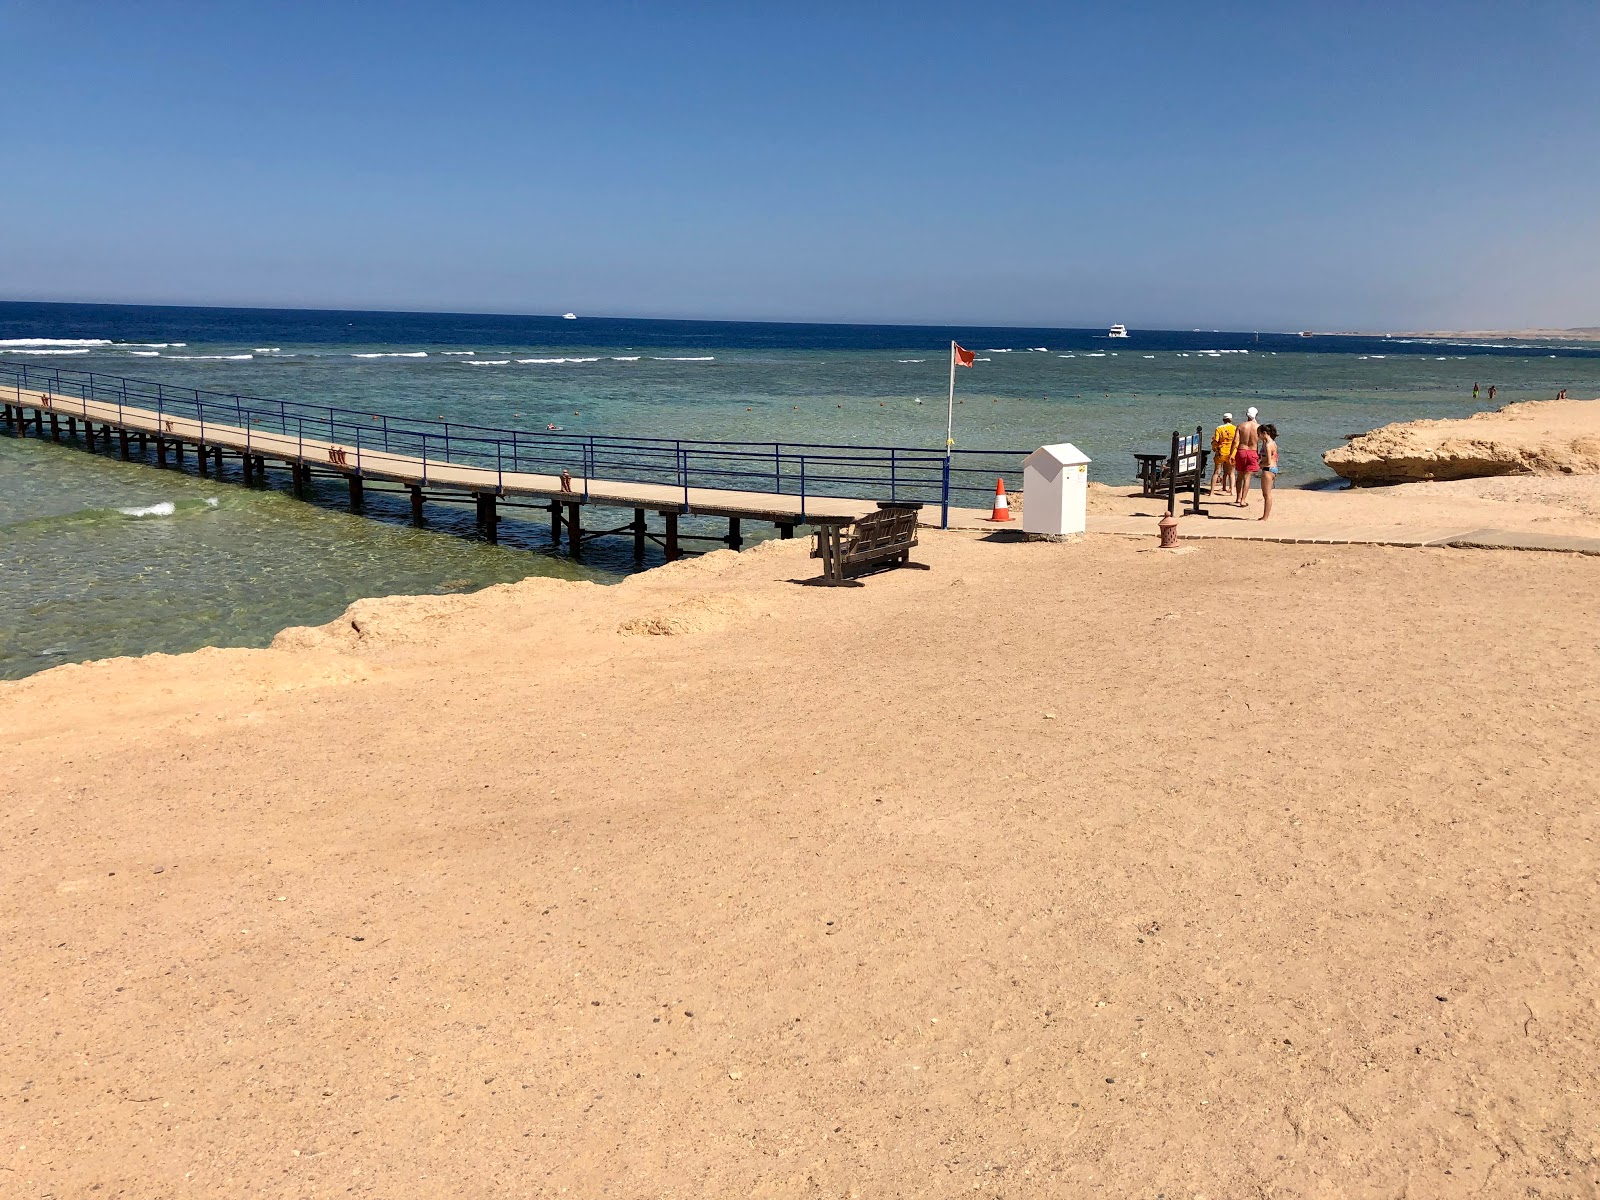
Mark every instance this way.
x=209 y=563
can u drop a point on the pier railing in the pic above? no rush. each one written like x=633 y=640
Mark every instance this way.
x=896 y=473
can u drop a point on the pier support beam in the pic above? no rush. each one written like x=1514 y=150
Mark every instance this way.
x=88 y=434
x=38 y=421
x=555 y=522
x=161 y=452
x=122 y=438
x=55 y=428
x=673 y=552
x=638 y=528
x=574 y=531
x=144 y=442
x=488 y=518
x=785 y=530
x=247 y=464
x=217 y=452
x=416 y=504
x=8 y=417
x=72 y=428
x=203 y=453
x=733 y=539
x=357 y=498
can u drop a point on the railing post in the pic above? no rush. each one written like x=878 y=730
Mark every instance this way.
x=802 y=489
x=588 y=464
x=683 y=473
x=892 y=496
x=777 y=469
x=944 y=496
x=499 y=469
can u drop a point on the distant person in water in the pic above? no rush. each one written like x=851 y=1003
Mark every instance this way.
x=1491 y=393
x=1222 y=444
x=1246 y=460
x=1269 y=468
x=1562 y=394
x=1474 y=391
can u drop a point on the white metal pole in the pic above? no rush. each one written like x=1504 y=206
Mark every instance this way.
x=950 y=413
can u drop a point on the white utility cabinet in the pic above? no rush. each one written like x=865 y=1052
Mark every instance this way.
x=1055 y=490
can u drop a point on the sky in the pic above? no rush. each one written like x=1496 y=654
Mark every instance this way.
x=1167 y=165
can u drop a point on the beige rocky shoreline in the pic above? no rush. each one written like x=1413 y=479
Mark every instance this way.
x=1537 y=437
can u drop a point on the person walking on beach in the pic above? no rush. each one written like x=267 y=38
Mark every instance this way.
x=1246 y=461
x=1222 y=443
x=1269 y=468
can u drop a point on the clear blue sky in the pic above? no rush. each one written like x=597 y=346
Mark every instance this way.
x=1274 y=165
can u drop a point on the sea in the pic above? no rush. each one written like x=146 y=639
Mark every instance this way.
x=101 y=557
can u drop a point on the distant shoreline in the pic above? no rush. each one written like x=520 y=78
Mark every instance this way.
x=1580 y=334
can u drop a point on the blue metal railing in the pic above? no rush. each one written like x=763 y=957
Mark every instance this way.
x=795 y=469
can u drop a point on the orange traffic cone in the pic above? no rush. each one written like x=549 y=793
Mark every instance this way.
x=1002 y=507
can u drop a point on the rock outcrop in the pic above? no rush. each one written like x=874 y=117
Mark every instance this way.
x=1539 y=437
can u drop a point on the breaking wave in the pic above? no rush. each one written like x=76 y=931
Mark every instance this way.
x=395 y=354
x=55 y=342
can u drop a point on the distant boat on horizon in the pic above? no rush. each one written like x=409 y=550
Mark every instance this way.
x=569 y=316
x=1118 y=331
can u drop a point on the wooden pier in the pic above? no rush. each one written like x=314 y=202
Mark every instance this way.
x=565 y=498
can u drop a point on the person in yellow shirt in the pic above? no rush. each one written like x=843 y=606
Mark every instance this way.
x=1223 y=442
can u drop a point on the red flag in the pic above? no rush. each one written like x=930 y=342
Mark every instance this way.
x=964 y=358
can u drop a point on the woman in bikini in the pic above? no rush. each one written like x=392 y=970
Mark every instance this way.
x=1269 y=468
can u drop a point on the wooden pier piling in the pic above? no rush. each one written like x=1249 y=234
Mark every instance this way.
x=357 y=498
x=639 y=529
x=671 y=543
x=416 y=504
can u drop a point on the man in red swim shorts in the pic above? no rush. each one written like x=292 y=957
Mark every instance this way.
x=1247 y=458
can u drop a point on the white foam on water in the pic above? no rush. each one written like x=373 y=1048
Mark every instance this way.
x=144 y=354
x=1038 y=349
x=705 y=358
x=211 y=501
x=165 y=509
x=983 y=360
x=55 y=341
x=395 y=354
x=457 y=352
x=154 y=345
x=488 y=362
x=1095 y=354
x=992 y=350
x=1149 y=355
x=211 y=357
x=267 y=350
x=625 y=358
x=910 y=360
x=50 y=352
x=557 y=360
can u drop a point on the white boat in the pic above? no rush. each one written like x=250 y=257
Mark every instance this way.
x=569 y=316
x=1118 y=331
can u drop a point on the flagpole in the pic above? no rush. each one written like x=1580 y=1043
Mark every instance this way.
x=950 y=417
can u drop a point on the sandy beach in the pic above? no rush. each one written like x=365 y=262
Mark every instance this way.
x=1045 y=870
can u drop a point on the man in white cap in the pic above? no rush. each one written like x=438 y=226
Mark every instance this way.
x=1223 y=441
x=1247 y=458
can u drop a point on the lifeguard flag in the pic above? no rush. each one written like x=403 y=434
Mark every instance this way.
x=964 y=358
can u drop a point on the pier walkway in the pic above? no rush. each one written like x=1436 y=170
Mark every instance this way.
x=781 y=483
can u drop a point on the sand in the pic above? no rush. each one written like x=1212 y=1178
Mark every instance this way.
x=1048 y=870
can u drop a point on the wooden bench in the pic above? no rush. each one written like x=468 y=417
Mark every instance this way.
x=879 y=539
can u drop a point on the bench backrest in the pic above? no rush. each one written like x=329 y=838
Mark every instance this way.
x=881 y=529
